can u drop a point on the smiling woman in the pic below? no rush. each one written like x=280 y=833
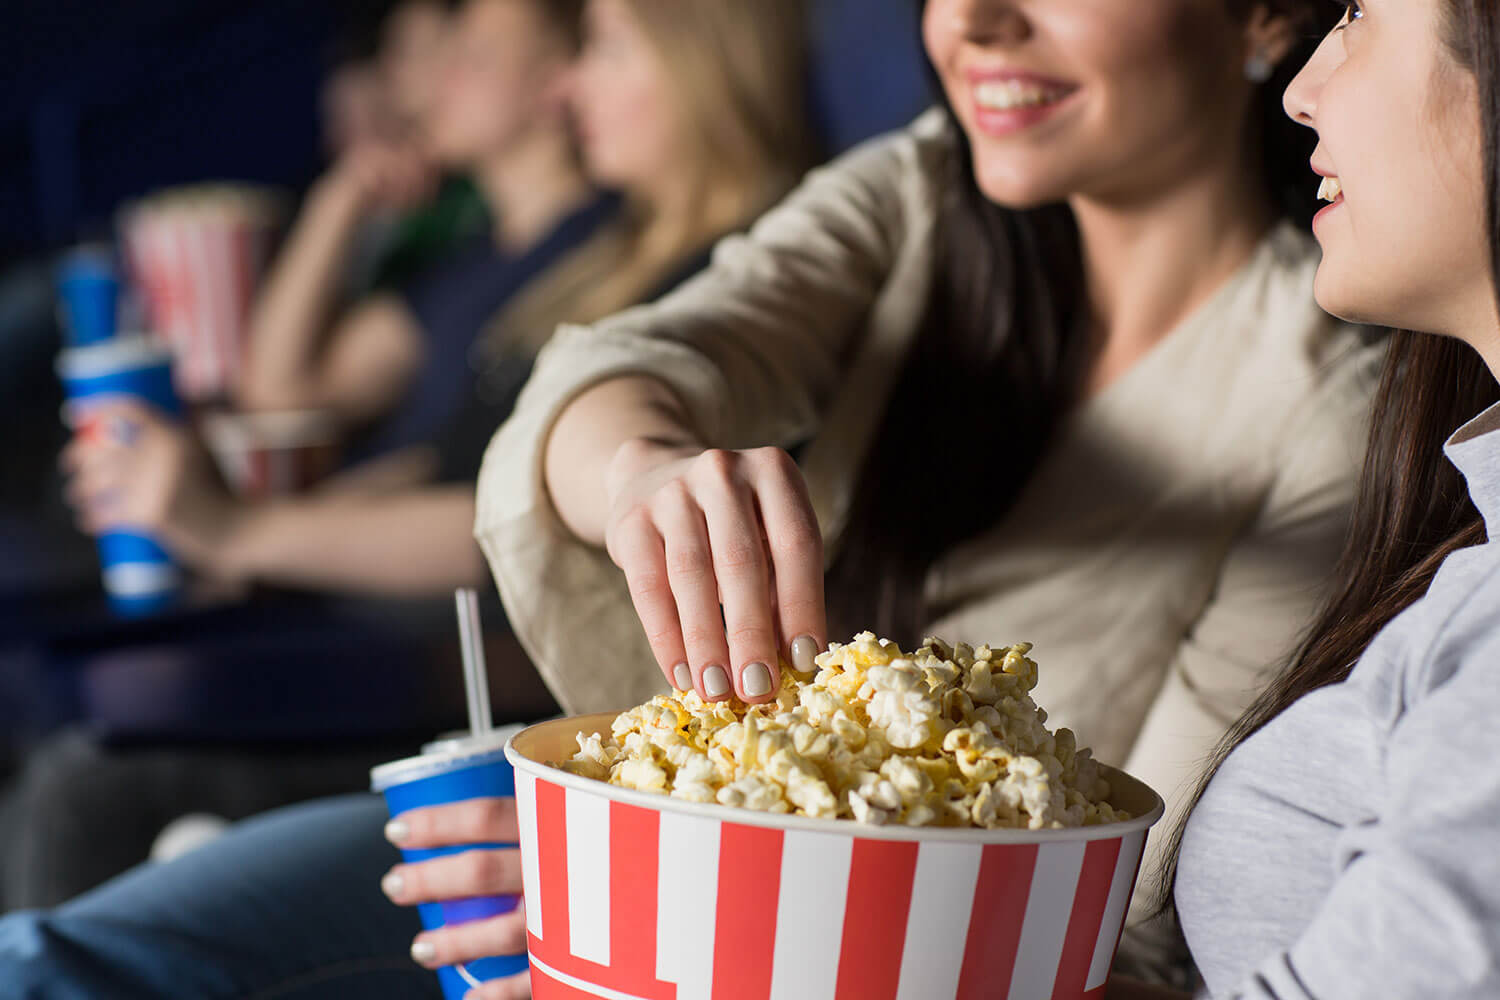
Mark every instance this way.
x=1051 y=368
x=1343 y=844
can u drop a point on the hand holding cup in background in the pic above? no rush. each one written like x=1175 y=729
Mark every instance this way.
x=138 y=573
x=134 y=470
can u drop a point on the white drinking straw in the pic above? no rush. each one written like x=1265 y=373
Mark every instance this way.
x=471 y=644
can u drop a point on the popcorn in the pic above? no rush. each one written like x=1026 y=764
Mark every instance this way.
x=943 y=736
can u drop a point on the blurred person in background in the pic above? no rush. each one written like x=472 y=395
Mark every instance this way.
x=428 y=368
x=696 y=113
x=381 y=86
x=375 y=98
x=500 y=106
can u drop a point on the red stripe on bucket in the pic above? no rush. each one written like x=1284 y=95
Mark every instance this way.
x=745 y=920
x=552 y=874
x=880 y=881
x=1000 y=897
x=633 y=839
x=1089 y=900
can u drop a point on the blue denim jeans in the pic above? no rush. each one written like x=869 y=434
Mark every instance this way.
x=285 y=906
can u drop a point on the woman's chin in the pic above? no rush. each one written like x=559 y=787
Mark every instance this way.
x=1335 y=297
x=1015 y=189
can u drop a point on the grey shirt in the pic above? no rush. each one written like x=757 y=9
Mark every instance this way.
x=1351 y=848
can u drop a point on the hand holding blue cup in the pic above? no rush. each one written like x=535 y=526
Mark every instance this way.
x=138 y=573
x=456 y=864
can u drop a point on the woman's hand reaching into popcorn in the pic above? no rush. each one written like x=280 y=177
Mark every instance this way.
x=721 y=549
x=724 y=560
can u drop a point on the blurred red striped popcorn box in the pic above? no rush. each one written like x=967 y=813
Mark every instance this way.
x=272 y=453
x=631 y=896
x=197 y=254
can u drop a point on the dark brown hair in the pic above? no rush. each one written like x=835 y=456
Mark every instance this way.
x=997 y=363
x=1412 y=510
x=567 y=17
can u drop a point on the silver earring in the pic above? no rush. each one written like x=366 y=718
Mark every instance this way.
x=1258 y=68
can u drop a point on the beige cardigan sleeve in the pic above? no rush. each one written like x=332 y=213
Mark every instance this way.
x=755 y=346
x=1270 y=586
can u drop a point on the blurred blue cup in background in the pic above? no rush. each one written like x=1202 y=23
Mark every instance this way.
x=139 y=576
x=88 y=291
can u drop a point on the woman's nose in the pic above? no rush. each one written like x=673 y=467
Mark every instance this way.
x=1301 y=99
x=991 y=22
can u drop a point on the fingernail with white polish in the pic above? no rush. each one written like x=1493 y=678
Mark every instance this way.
x=683 y=677
x=422 y=952
x=396 y=831
x=756 y=680
x=804 y=654
x=715 y=682
x=393 y=884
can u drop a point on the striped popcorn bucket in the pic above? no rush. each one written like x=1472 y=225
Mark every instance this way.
x=197 y=255
x=634 y=896
x=269 y=454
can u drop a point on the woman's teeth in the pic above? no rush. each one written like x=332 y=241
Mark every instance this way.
x=1330 y=189
x=1010 y=95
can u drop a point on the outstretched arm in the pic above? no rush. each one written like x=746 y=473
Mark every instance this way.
x=156 y=478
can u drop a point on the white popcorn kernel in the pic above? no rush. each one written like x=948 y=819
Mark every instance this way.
x=811 y=795
x=751 y=792
x=642 y=774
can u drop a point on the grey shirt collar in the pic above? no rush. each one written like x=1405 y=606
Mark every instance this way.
x=1475 y=450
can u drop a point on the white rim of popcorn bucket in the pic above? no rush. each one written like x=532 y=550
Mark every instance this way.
x=515 y=752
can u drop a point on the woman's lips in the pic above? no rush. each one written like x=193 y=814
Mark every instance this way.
x=1004 y=105
x=1330 y=190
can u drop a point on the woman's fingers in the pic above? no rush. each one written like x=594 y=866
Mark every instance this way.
x=474 y=821
x=691 y=572
x=638 y=549
x=725 y=565
x=742 y=571
x=480 y=872
x=469 y=942
x=795 y=544
x=97 y=487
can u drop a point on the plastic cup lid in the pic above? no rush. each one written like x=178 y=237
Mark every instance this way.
x=107 y=357
x=444 y=754
x=97 y=259
x=141 y=579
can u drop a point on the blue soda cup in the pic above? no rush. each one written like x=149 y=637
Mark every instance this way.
x=455 y=770
x=88 y=290
x=139 y=575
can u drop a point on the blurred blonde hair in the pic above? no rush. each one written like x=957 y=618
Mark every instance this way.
x=737 y=70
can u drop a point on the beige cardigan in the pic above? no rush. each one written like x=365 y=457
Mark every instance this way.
x=1166 y=553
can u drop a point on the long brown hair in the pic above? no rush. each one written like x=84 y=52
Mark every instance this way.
x=997 y=363
x=1412 y=510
